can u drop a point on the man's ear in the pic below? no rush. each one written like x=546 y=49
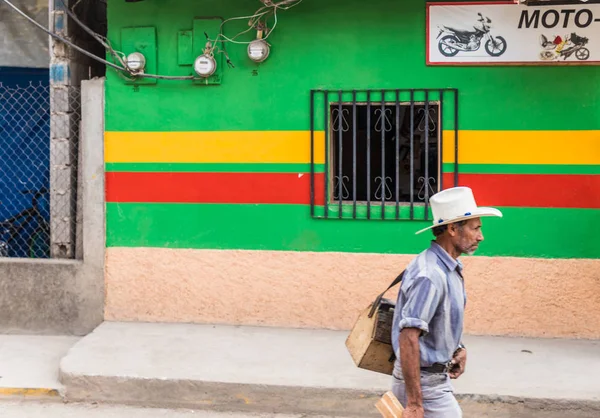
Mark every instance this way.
x=453 y=229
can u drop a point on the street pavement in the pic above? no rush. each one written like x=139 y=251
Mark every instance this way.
x=34 y=409
x=203 y=367
x=57 y=409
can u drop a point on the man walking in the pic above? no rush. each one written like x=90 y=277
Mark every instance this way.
x=428 y=319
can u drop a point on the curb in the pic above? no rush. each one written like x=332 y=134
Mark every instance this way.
x=562 y=404
x=219 y=396
x=260 y=398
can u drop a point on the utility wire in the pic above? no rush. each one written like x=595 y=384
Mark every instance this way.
x=268 y=4
x=262 y=13
x=102 y=40
x=60 y=38
x=106 y=44
x=89 y=54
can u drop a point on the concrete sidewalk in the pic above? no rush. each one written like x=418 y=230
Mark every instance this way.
x=290 y=370
x=29 y=364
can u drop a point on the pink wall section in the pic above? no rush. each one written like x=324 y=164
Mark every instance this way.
x=506 y=296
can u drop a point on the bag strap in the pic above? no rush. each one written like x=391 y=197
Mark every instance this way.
x=378 y=299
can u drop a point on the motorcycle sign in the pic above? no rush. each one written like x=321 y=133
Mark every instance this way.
x=510 y=33
x=457 y=40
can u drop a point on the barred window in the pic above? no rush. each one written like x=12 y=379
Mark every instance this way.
x=381 y=151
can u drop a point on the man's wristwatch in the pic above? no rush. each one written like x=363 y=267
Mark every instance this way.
x=461 y=346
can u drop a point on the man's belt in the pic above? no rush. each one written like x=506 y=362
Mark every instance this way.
x=437 y=368
x=434 y=368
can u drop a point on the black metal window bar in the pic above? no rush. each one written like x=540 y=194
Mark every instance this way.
x=377 y=154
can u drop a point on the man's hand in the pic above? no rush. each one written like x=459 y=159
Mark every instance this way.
x=459 y=362
x=413 y=412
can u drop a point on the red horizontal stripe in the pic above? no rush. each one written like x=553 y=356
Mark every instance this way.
x=532 y=190
x=289 y=188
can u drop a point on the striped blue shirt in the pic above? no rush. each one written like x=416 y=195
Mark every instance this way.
x=432 y=298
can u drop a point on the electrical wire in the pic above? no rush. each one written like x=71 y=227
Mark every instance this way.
x=101 y=39
x=60 y=38
x=117 y=54
x=232 y=40
x=166 y=77
x=274 y=25
x=256 y=15
x=89 y=54
x=269 y=7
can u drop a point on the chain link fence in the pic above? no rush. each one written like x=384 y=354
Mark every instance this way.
x=38 y=171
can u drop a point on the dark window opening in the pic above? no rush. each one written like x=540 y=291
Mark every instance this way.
x=380 y=153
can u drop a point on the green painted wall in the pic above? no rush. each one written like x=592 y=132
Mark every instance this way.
x=334 y=44
x=538 y=232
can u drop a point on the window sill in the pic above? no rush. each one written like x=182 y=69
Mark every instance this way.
x=391 y=212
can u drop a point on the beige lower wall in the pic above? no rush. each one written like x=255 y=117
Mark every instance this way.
x=506 y=296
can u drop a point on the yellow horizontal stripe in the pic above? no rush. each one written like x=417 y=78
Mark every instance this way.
x=524 y=147
x=37 y=392
x=475 y=147
x=213 y=147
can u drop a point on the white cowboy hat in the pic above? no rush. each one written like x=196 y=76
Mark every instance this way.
x=454 y=205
